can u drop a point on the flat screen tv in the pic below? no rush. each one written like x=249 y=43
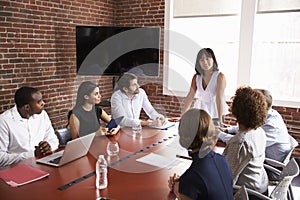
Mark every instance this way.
x=111 y=50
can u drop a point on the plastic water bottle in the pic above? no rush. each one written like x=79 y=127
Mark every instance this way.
x=101 y=173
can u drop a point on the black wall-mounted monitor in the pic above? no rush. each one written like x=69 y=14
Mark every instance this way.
x=111 y=50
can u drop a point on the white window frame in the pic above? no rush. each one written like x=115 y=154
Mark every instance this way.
x=247 y=19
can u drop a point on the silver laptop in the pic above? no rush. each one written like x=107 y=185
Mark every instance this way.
x=73 y=150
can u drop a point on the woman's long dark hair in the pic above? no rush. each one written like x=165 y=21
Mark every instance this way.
x=85 y=88
x=209 y=53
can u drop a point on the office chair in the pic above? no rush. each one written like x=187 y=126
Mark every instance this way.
x=282 y=190
x=64 y=135
x=273 y=176
x=241 y=194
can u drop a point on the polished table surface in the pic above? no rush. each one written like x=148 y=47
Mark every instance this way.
x=127 y=178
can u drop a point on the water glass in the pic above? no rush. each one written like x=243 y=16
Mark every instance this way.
x=137 y=129
x=112 y=148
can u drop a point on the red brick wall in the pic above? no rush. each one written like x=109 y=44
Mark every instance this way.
x=37 y=47
x=140 y=12
x=291 y=117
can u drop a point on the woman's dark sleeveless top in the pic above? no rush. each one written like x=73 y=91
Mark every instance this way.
x=88 y=120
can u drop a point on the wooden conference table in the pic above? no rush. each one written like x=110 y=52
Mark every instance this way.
x=127 y=178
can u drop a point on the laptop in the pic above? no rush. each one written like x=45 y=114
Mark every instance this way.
x=74 y=149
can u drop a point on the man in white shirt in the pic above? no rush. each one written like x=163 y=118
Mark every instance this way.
x=25 y=129
x=129 y=100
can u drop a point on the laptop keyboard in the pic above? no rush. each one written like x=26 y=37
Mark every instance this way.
x=55 y=160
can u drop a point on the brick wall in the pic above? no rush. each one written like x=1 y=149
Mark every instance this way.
x=37 y=48
x=291 y=117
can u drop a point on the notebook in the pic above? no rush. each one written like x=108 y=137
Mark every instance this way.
x=166 y=126
x=22 y=174
x=73 y=150
x=113 y=123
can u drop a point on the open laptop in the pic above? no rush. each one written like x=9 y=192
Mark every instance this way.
x=73 y=150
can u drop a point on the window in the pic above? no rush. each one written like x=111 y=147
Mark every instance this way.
x=276 y=60
x=261 y=37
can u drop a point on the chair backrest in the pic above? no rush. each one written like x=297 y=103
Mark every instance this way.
x=236 y=166
x=274 y=175
x=291 y=169
x=294 y=144
x=281 y=189
x=241 y=194
x=63 y=135
x=288 y=173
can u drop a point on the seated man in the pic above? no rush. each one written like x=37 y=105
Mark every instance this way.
x=279 y=142
x=129 y=100
x=25 y=129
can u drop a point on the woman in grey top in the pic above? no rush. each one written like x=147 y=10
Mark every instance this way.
x=245 y=152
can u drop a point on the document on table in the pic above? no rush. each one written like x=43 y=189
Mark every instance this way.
x=177 y=148
x=22 y=174
x=159 y=161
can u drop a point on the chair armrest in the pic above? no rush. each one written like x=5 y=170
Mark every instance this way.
x=252 y=192
x=274 y=163
x=272 y=169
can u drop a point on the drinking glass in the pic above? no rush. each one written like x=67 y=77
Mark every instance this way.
x=137 y=129
x=112 y=148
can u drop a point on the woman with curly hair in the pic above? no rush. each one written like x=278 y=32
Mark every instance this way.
x=245 y=152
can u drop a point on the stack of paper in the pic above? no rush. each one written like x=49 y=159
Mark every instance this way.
x=159 y=161
x=22 y=174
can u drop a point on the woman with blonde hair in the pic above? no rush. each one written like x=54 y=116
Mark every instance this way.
x=209 y=176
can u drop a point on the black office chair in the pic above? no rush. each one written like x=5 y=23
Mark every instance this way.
x=64 y=135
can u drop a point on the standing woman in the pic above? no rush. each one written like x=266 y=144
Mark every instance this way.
x=85 y=117
x=208 y=84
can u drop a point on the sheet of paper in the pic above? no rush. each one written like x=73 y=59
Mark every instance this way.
x=159 y=161
x=177 y=148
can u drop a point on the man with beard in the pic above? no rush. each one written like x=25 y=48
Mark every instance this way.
x=129 y=100
x=25 y=129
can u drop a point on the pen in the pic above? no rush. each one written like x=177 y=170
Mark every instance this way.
x=184 y=157
x=166 y=128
